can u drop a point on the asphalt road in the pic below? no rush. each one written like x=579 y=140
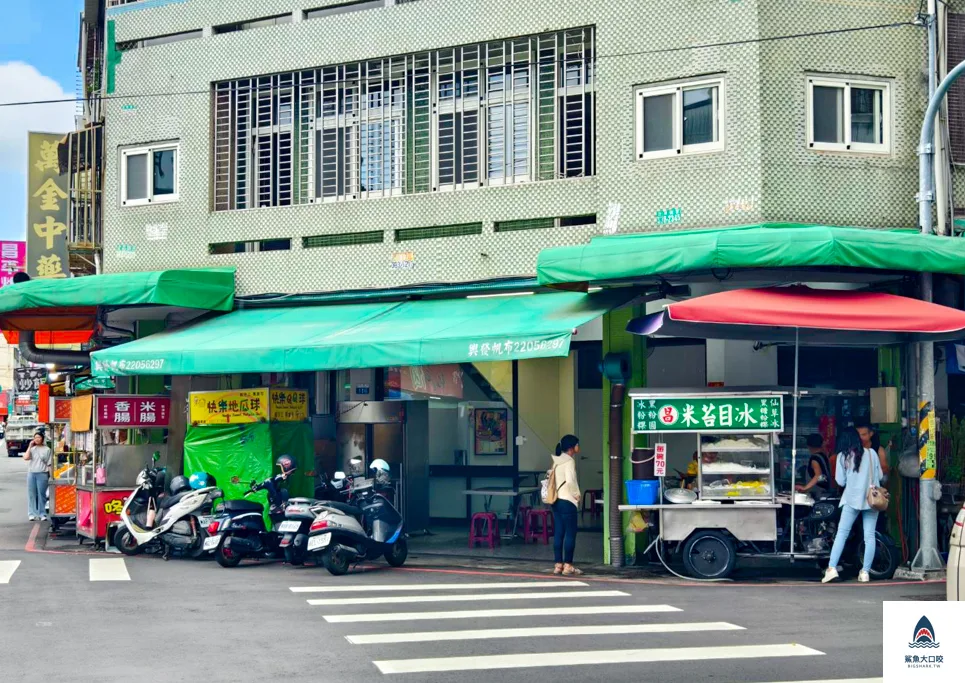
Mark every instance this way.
x=97 y=617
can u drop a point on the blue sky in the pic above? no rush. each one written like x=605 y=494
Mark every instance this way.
x=38 y=60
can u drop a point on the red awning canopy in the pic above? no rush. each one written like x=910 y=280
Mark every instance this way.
x=819 y=317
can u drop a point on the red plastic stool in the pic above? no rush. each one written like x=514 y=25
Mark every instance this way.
x=539 y=525
x=590 y=505
x=484 y=528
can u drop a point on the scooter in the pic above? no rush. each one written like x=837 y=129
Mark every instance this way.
x=170 y=522
x=301 y=512
x=241 y=532
x=343 y=534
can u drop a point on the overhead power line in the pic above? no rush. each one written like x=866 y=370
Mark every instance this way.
x=618 y=55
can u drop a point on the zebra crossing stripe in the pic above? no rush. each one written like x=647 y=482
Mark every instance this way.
x=591 y=657
x=564 y=631
x=500 y=613
x=7 y=568
x=468 y=597
x=386 y=588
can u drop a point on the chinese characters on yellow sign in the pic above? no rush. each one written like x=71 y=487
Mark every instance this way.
x=228 y=407
x=288 y=405
x=47 y=209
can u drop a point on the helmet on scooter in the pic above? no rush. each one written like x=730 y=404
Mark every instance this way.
x=179 y=484
x=287 y=464
x=381 y=470
x=201 y=480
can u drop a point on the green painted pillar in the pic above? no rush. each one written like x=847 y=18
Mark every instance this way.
x=889 y=371
x=616 y=339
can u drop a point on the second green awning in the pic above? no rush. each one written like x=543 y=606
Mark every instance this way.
x=373 y=335
x=767 y=245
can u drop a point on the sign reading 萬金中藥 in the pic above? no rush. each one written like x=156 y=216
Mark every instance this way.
x=708 y=413
x=289 y=405
x=137 y=412
x=47 y=202
x=241 y=406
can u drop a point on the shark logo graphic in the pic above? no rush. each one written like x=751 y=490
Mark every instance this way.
x=924 y=634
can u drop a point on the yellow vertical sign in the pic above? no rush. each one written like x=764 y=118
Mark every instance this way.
x=47 y=208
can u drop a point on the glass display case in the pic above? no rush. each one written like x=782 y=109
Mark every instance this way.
x=735 y=467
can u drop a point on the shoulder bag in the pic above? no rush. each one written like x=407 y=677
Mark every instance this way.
x=878 y=498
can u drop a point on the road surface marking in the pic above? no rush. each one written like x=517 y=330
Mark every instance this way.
x=501 y=613
x=842 y=680
x=619 y=629
x=468 y=597
x=436 y=587
x=553 y=659
x=7 y=568
x=112 y=569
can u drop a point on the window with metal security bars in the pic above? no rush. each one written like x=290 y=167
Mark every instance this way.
x=543 y=223
x=956 y=95
x=496 y=113
x=250 y=246
x=437 y=231
x=344 y=239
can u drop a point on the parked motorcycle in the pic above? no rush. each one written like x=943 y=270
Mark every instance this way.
x=346 y=534
x=301 y=512
x=240 y=531
x=153 y=520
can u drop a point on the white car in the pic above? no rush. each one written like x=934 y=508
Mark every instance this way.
x=955 y=586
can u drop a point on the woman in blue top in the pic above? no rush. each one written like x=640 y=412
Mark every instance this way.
x=857 y=469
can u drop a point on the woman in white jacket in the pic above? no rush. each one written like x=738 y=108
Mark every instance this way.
x=566 y=507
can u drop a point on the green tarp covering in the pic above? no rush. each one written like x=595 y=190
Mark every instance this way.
x=209 y=289
x=768 y=245
x=363 y=336
x=238 y=454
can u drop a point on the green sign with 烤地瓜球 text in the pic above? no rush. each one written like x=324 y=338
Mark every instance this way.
x=708 y=413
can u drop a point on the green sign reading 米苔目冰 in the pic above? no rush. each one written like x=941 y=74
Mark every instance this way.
x=708 y=413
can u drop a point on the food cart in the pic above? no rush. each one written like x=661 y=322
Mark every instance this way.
x=62 y=491
x=110 y=463
x=709 y=529
x=736 y=501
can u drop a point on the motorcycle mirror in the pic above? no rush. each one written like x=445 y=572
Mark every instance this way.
x=156 y=456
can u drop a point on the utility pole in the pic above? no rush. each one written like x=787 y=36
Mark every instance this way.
x=928 y=558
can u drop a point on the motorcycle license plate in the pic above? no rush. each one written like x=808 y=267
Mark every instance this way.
x=316 y=542
x=211 y=542
x=205 y=521
x=285 y=527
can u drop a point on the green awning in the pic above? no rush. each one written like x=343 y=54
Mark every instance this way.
x=369 y=335
x=767 y=245
x=209 y=289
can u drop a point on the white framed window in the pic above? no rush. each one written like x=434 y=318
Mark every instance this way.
x=849 y=115
x=680 y=118
x=149 y=174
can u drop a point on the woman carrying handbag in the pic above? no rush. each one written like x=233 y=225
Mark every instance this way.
x=858 y=471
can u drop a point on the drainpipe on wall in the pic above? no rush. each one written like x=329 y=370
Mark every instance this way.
x=616 y=368
x=30 y=352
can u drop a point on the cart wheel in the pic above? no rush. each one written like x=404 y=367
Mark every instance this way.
x=709 y=555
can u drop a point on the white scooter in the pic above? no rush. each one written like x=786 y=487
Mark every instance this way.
x=173 y=521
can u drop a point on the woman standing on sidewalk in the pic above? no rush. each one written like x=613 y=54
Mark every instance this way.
x=857 y=469
x=39 y=458
x=566 y=507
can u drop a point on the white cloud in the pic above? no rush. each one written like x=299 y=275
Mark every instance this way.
x=20 y=82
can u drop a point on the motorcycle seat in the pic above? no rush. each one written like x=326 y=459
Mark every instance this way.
x=344 y=507
x=242 y=506
x=171 y=501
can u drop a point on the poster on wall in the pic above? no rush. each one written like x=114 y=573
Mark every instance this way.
x=490 y=429
x=13 y=260
x=289 y=405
